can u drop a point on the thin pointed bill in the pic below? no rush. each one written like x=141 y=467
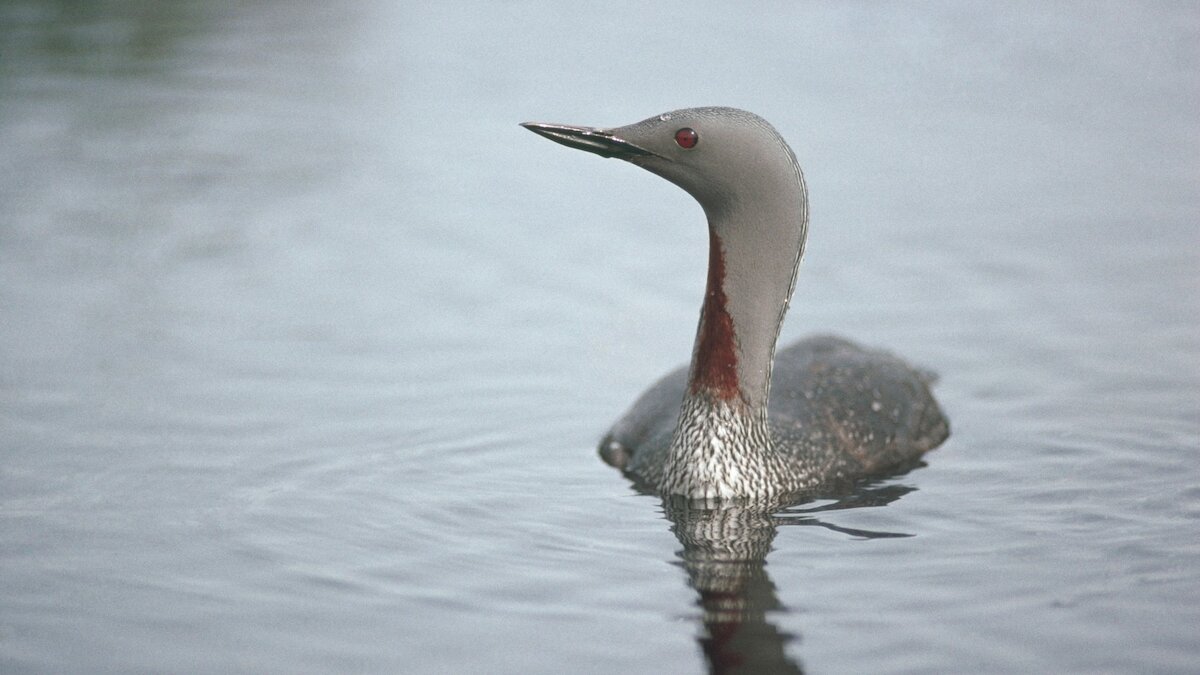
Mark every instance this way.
x=599 y=141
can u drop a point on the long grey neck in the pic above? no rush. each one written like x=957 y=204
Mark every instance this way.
x=755 y=245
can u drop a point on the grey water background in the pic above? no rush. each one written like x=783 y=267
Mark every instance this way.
x=305 y=345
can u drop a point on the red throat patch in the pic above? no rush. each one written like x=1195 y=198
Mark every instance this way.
x=716 y=357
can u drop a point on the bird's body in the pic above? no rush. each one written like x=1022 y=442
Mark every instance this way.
x=741 y=421
x=837 y=412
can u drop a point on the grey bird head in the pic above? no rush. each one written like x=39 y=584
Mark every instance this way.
x=716 y=154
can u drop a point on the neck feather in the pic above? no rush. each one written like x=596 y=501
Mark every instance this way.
x=750 y=281
x=715 y=357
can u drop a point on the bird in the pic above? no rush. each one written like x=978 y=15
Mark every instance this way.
x=743 y=421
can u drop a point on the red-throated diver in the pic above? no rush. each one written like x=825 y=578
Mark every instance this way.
x=837 y=411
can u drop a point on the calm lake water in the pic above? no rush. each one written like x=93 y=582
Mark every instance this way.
x=305 y=345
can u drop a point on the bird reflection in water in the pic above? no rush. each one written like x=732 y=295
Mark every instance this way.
x=725 y=546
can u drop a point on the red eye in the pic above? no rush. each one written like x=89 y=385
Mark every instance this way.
x=687 y=138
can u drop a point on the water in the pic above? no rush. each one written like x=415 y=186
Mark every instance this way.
x=305 y=345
